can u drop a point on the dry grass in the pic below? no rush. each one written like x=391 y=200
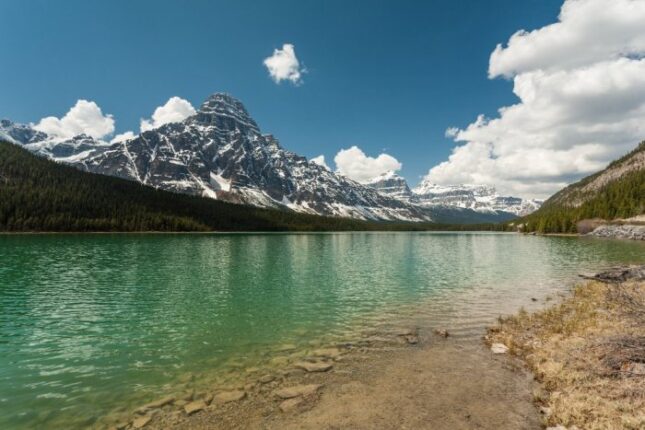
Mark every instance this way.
x=588 y=353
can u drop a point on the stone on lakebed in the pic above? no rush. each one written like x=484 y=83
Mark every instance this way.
x=229 y=396
x=313 y=367
x=195 y=406
x=141 y=422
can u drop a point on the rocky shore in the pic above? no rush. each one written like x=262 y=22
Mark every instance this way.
x=402 y=378
x=577 y=364
x=620 y=231
x=588 y=353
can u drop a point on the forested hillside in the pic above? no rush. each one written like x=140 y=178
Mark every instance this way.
x=40 y=195
x=615 y=192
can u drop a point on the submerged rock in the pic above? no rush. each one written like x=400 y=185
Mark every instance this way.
x=326 y=352
x=297 y=390
x=442 y=333
x=266 y=379
x=412 y=339
x=195 y=406
x=314 y=367
x=141 y=422
x=155 y=405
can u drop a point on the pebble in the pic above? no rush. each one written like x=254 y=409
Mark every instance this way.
x=443 y=333
x=499 y=348
x=412 y=339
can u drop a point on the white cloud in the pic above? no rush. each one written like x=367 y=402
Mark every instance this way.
x=283 y=65
x=452 y=132
x=587 y=31
x=320 y=160
x=581 y=85
x=176 y=109
x=354 y=164
x=85 y=117
x=123 y=137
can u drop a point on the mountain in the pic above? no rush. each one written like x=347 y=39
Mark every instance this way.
x=37 y=194
x=478 y=198
x=482 y=198
x=392 y=185
x=221 y=153
x=618 y=191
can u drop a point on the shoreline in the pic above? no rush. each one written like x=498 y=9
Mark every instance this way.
x=377 y=370
x=387 y=379
x=587 y=352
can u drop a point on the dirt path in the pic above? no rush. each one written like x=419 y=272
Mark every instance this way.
x=439 y=384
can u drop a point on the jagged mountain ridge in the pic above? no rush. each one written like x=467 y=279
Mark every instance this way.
x=221 y=153
x=479 y=198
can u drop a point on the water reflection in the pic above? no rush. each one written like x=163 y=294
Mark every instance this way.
x=92 y=322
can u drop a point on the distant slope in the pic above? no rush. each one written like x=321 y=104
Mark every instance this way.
x=37 y=194
x=618 y=191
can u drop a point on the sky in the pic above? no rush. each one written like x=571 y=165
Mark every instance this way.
x=524 y=95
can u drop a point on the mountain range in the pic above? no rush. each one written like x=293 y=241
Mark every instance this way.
x=220 y=152
x=616 y=193
x=480 y=198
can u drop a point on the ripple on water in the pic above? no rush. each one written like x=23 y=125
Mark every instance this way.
x=96 y=323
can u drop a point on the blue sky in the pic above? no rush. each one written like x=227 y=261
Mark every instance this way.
x=386 y=76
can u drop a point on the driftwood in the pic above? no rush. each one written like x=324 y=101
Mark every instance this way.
x=619 y=274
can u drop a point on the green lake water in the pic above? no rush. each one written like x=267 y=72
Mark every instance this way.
x=93 y=324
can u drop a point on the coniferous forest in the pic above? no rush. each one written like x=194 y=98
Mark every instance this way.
x=623 y=197
x=40 y=195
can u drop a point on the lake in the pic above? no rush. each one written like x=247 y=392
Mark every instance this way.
x=94 y=324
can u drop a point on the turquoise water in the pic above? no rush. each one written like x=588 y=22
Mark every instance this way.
x=92 y=324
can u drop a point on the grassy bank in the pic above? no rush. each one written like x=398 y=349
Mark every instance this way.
x=588 y=353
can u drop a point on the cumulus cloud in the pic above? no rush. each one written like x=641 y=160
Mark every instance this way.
x=283 y=65
x=85 y=117
x=176 y=109
x=320 y=160
x=581 y=85
x=355 y=164
x=123 y=137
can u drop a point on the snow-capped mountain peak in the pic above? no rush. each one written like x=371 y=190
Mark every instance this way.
x=220 y=152
x=480 y=198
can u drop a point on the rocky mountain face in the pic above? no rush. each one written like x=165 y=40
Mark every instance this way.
x=588 y=188
x=612 y=201
x=221 y=153
x=391 y=184
x=479 y=198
